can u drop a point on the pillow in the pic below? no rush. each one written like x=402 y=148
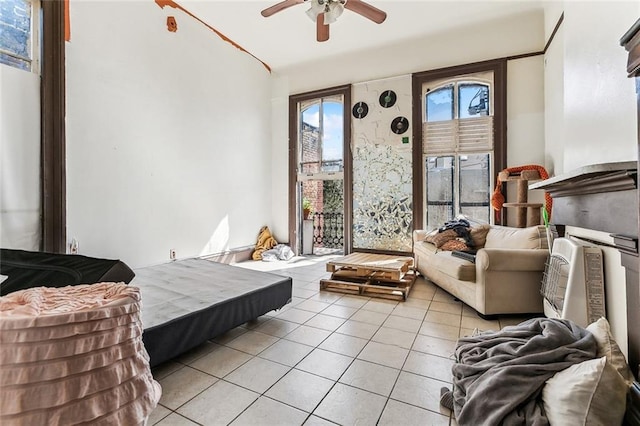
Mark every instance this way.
x=453 y=245
x=479 y=235
x=504 y=237
x=608 y=348
x=588 y=393
x=440 y=238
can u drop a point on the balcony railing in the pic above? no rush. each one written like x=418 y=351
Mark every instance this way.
x=328 y=230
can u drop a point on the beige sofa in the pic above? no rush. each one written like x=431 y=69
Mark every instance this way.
x=506 y=276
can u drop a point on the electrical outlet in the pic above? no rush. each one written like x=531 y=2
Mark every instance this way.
x=172 y=254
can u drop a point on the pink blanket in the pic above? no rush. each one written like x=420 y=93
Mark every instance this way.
x=74 y=355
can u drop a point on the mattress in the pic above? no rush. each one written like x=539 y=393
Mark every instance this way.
x=26 y=269
x=187 y=302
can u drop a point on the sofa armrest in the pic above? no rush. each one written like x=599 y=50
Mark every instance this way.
x=511 y=259
x=420 y=234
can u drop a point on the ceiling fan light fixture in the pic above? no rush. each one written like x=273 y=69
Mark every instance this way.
x=326 y=12
x=316 y=8
x=334 y=12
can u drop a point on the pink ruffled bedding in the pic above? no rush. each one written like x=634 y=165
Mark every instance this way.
x=74 y=355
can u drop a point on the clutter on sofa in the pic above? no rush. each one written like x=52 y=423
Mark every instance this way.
x=498 y=270
x=542 y=371
x=26 y=269
x=74 y=355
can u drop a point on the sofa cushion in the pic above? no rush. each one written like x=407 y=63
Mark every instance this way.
x=455 y=267
x=533 y=237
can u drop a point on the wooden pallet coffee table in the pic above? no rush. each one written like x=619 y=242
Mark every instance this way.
x=367 y=274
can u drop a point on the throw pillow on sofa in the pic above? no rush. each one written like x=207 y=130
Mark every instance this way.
x=454 y=245
x=439 y=238
x=479 y=235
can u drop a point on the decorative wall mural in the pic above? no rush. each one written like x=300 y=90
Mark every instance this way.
x=382 y=198
x=382 y=167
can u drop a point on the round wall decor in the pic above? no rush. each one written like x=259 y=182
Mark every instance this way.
x=399 y=125
x=360 y=110
x=388 y=98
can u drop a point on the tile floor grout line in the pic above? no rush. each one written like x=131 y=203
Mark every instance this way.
x=362 y=307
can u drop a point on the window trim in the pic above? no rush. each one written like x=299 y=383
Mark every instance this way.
x=52 y=130
x=499 y=69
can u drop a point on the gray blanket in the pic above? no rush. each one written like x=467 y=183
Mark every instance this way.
x=498 y=375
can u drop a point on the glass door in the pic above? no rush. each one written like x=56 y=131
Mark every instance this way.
x=320 y=197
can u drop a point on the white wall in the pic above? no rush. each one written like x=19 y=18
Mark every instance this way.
x=19 y=159
x=525 y=111
x=525 y=121
x=490 y=40
x=554 y=97
x=168 y=136
x=280 y=158
x=517 y=35
x=597 y=109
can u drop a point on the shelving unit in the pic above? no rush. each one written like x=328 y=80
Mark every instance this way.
x=527 y=214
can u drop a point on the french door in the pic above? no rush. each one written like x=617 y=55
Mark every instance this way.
x=319 y=175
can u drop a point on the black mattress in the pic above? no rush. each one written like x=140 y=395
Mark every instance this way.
x=188 y=302
x=26 y=269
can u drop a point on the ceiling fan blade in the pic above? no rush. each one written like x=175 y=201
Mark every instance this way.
x=322 y=30
x=280 y=6
x=366 y=10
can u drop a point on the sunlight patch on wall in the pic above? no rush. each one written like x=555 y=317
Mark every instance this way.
x=219 y=240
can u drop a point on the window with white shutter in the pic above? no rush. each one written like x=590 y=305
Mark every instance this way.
x=457 y=147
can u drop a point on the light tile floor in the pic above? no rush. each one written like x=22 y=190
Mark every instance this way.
x=326 y=358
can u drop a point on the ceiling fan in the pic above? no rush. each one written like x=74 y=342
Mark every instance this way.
x=325 y=12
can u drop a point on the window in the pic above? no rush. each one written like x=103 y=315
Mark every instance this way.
x=18 y=37
x=461 y=143
x=321 y=133
x=458 y=142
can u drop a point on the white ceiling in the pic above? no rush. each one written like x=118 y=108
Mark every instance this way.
x=288 y=37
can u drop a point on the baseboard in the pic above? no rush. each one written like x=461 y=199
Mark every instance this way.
x=235 y=255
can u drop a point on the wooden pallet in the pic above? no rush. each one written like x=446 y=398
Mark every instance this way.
x=371 y=275
x=364 y=264
x=375 y=285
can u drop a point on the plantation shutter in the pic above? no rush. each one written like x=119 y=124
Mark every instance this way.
x=458 y=135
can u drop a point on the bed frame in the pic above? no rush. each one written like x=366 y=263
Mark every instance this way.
x=187 y=302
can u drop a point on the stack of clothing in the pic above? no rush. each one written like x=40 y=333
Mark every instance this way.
x=458 y=236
